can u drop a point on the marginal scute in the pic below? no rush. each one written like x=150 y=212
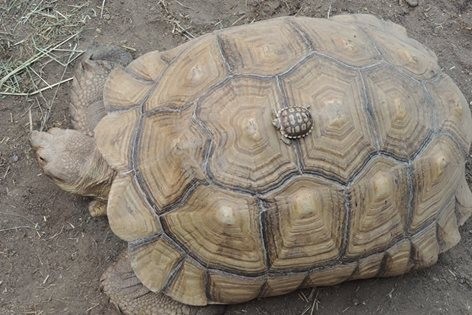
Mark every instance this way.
x=170 y=155
x=188 y=285
x=341 y=139
x=221 y=228
x=437 y=173
x=153 y=262
x=425 y=247
x=169 y=56
x=397 y=259
x=247 y=150
x=257 y=49
x=368 y=20
x=379 y=203
x=453 y=110
x=402 y=113
x=282 y=284
x=463 y=201
x=129 y=214
x=149 y=66
x=192 y=74
x=448 y=230
x=123 y=90
x=304 y=205
x=113 y=136
x=345 y=42
x=368 y=267
x=330 y=275
x=230 y=289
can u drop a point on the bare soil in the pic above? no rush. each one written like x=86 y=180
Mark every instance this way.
x=52 y=252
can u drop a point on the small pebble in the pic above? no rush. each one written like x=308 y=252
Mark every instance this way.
x=412 y=3
x=98 y=30
x=14 y=158
x=106 y=16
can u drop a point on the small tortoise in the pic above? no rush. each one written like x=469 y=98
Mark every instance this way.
x=181 y=154
x=293 y=122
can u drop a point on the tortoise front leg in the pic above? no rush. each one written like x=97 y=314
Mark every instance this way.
x=73 y=162
x=98 y=208
x=86 y=106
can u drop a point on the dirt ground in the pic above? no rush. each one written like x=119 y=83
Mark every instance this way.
x=52 y=252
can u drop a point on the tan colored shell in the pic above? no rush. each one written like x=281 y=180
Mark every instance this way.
x=217 y=209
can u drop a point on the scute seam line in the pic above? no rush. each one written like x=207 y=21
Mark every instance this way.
x=178 y=268
x=369 y=108
x=346 y=227
x=224 y=53
x=263 y=231
x=410 y=179
x=301 y=33
x=295 y=145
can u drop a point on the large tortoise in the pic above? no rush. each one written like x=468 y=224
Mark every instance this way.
x=218 y=207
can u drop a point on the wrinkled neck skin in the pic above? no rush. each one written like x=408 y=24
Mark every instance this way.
x=94 y=179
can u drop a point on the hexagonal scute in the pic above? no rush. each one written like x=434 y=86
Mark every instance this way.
x=191 y=74
x=247 y=151
x=438 y=171
x=341 y=138
x=170 y=154
x=305 y=220
x=221 y=228
x=379 y=206
x=266 y=48
x=453 y=112
x=405 y=52
x=403 y=114
x=344 y=42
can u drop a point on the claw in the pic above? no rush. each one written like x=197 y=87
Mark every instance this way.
x=39 y=138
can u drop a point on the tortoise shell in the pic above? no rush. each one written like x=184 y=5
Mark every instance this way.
x=216 y=209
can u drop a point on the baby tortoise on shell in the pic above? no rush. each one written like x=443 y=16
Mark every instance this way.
x=293 y=122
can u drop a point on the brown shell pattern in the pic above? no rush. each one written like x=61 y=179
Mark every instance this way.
x=217 y=209
x=295 y=122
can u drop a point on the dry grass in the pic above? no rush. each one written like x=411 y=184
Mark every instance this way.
x=34 y=34
x=38 y=43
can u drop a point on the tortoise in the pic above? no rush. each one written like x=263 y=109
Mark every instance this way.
x=179 y=151
x=293 y=122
